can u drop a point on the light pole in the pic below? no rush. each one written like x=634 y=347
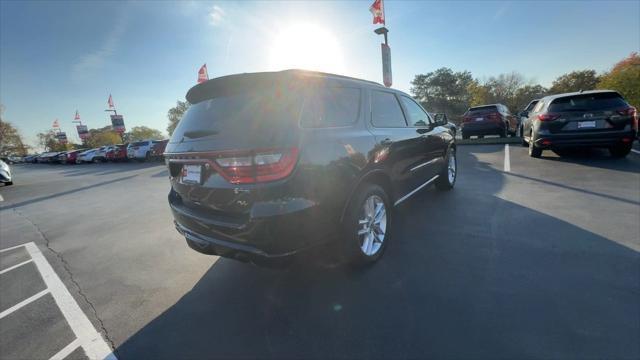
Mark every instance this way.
x=387 y=78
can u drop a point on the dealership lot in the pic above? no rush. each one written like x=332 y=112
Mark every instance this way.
x=525 y=258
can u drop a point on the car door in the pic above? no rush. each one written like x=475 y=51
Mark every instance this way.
x=403 y=145
x=528 y=124
x=433 y=143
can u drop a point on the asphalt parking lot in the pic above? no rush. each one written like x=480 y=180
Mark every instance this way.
x=526 y=258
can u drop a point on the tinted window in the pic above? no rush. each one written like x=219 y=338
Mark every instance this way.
x=139 y=143
x=531 y=105
x=415 y=114
x=385 y=110
x=483 y=109
x=588 y=102
x=264 y=110
x=330 y=107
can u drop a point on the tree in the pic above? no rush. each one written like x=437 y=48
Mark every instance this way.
x=443 y=91
x=478 y=94
x=175 y=114
x=525 y=94
x=624 y=77
x=502 y=88
x=575 y=81
x=11 y=142
x=138 y=133
x=49 y=142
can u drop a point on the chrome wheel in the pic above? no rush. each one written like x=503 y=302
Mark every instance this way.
x=372 y=225
x=451 y=167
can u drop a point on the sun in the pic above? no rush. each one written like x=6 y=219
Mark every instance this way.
x=306 y=46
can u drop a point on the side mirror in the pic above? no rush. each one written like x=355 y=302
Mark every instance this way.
x=440 y=119
x=524 y=113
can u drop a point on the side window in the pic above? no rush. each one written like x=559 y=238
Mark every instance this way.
x=415 y=114
x=331 y=107
x=538 y=107
x=385 y=110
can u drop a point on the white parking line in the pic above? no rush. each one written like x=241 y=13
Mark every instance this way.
x=635 y=151
x=12 y=248
x=25 y=302
x=92 y=342
x=66 y=350
x=14 y=266
x=1 y=198
x=507 y=160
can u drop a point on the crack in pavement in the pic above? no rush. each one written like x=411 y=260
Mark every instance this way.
x=67 y=269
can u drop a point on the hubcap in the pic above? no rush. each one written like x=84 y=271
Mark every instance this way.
x=451 y=167
x=372 y=225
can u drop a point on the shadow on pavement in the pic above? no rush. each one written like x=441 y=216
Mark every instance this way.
x=595 y=157
x=468 y=275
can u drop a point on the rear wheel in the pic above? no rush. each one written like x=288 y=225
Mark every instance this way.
x=480 y=136
x=534 y=151
x=447 y=178
x=366 y=225
x=620 y=151
x=8 y=183
x=465 y=137
x=504 y=133
x=523 y=142
x=147 y=157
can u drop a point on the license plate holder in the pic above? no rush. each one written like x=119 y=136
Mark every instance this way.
x=191 y=174
x=479 y=118
x=586 y=124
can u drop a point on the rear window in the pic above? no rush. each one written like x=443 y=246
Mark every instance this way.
x=588 y=102
x=256 y=111
x=483 y=109
x=140 y=143
x=330 y=107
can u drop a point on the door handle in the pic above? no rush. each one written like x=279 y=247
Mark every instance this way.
x=386 y=142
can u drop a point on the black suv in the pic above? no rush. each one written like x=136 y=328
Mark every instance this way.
x=265 y=165
x=597 y=118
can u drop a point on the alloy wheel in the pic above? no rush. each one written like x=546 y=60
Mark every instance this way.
x=372 y=225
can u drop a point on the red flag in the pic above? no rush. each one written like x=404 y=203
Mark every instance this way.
x=203 y=75
x=56 y=124
x=377 y=9
x=77 y=117
x=110 y=102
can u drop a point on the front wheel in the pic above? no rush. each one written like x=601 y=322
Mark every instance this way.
x=447 y=177
x=620 y=151
x=366 y=226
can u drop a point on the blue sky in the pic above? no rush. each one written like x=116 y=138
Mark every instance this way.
x=60 y=56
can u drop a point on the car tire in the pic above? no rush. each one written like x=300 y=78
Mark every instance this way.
x=362 y=244
x=147 y=157
x=534 y=151
x=8 y=183
x=465 y=137
x=504 y=133
x=620 y=151
x=480 y=136
x=447 y=177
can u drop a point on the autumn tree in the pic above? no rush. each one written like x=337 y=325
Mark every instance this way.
x=443 y=90
x=11 y=142
x=575 y=81
x=138 y=133
x=175 y=114
x=624 y=77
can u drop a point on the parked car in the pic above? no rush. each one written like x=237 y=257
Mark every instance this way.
x=47 y=158
x=5 y=173
x=12 y=159
x=266 y=165
x=484 y=120
x=117 y=153
x=157 y=150
x=31 y=158
x=87 y=156
x=101 y=154
x=58 y=158
x=522 y=115
x=70 y=157
x=597 y=118
x=140 y=150
x=443 y=118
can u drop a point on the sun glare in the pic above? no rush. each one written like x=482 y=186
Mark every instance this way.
x=306 y=46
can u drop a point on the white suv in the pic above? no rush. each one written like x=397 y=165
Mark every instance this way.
x=140 y=150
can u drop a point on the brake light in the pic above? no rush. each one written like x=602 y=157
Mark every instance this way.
x=247 y=167
x=466 y=119
x=547 y=117
x=494 y=116
x=630 y=111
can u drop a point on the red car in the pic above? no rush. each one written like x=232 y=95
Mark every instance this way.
x=157 y=150
x=117 y=153
x=70 y=157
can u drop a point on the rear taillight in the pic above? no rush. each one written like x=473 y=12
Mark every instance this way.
x=494 y=116
x=247 y=167
x=466 y=119
x=547 y=117
x=630 y=111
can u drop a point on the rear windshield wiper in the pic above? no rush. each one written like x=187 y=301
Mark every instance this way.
x=194 y=134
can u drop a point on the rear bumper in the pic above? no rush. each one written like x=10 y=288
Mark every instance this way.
x=472 y=129
x=595 y=139
x=283 y=229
